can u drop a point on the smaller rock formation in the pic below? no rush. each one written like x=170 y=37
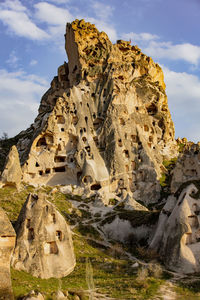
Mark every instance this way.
x=44 y=244
x=7 y=244
x=177 y=238
x=12 y=173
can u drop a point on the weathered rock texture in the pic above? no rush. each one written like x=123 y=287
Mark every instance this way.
x=12 y=173
x=7 y=244
x=104 y=122
x=177 y=237
x=187 y=166
x=44 y=245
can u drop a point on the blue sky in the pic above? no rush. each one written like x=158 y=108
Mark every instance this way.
x=32 y=48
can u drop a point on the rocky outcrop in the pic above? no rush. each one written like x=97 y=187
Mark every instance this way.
x=7 y=244
x=177 y=238
x=12 y=173
x=104 y=123
x=44 y=244
x=187 y=166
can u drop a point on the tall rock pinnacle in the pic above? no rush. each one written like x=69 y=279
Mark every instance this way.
x=104 y=123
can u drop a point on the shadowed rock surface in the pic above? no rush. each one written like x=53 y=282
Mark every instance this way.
x=44 y=245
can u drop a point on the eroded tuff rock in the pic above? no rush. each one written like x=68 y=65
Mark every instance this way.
x=7 y=244
x=12 y=173
x=177 y=238
x=187 y=166
x=44 y=245
x=104 y=122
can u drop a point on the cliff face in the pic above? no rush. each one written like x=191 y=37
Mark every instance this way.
x=104 y=123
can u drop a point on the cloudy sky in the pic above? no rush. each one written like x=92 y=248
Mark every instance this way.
x=32 y=47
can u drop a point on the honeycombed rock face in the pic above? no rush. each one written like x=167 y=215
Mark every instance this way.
x=104 y=123
x=44 y=245
x=177 y=237
x=7 y=244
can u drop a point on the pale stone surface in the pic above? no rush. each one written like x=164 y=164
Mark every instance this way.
x=177 y=237
x=34 y=296
x=104 y=122
x=44 y=245
x=12 y=173
x=7 y=244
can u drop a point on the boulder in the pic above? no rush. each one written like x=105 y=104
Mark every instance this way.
x=7 y=244
x=12 y=173
x=44 y=245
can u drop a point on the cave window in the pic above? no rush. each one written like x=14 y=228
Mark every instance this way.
x=94 y=116
x=75 y=120
x=152 y=109
x=53 y=248
x=84 y=129
x=95 y=187
x=150 y=139
x=121 y=183
x=93 y=95
x=59 y=169
x=119 y=142
x=62 y=129
x=59 y=235
x=104 y=92
x=60 y=120
x=31 y=234
x=58 y=159
x=88 y=105
x=86 y=119
x=81 y=131
x=136 y=108
x=47 y=171
x=122 y=122
x=126 y=153
x=134 y=138
x=53 y=218
x=59 y=147
x=75 y=68
x=40 y=172
x=84 y=139
x=41 y=142
x=87 y=179
x=36 y=164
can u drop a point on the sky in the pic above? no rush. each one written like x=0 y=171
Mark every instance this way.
x=32 y=48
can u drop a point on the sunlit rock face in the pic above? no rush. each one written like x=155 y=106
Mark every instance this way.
x=7 y=244
x=104 y=122
x=177 y=237
x=44 y=245
x=12 y=173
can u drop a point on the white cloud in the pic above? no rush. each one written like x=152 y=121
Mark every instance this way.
x=183 y=92
x=15 y=17
x=13 y=5
x=20 y=94
x=59 y=1
x=51 y=14
x=33 y=62
x=12 y=60
x=187 y=52
x=101 y=10
x=144 y=36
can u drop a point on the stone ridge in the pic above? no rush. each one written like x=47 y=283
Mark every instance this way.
x=104 y=124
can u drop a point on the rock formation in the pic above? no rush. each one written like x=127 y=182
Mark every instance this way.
x=44 y=245
x=12 y=173
x=7 y=244
x=104 y=122
x=177 y=237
